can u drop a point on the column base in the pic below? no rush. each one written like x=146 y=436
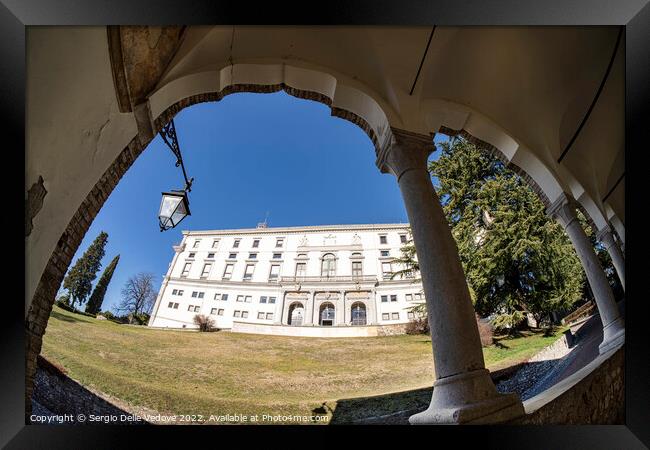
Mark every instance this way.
x=613 y=336
x=469 y=398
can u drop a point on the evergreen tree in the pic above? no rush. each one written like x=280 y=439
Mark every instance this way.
x=79 y=280
x=97 y=298
x=516 y=259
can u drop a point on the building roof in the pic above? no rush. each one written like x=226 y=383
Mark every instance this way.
x=300 y=229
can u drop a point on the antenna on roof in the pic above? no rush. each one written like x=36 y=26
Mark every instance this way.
x=263 y=224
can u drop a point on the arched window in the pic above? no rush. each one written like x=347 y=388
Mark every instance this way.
x=327 y=315
x=358 y=315
x=328 y=267
x=296 y=314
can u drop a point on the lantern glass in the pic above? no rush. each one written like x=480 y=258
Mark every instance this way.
x=174 y=207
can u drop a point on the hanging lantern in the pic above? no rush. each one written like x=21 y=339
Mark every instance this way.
x=174 y=207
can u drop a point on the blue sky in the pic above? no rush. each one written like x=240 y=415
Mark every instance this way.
x=249 y=154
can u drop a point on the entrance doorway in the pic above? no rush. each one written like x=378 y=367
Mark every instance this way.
x=358 y=315
x=327 y=315
x=296 y=314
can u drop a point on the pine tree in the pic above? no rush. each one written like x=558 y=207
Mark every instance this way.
x=79 y=280
x=97 y=298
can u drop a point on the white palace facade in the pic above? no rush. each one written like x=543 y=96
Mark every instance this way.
x=327 y=281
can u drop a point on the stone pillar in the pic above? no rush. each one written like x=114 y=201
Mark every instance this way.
x=463 y=391
x=607 y=238
x=309 y=310
x=563 y=210
x=340 y=312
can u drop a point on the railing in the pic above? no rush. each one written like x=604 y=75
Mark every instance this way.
x=325 y=279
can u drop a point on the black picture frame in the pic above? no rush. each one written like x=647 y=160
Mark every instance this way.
x=15 y=15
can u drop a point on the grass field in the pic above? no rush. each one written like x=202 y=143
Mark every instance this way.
x=185 y=372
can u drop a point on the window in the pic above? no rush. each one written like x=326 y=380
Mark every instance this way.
x=410 y=315
x=237 y=314
x=252 y=256
x=235 y=244
x=271 y=299
x=409 y=297
x=240 y=298
x=224 y=298
x=170 y=305
x=175 y=305
x=395 y=316
x=180 y=292
x=385 y=316
x=385 y=253
x=301 y=255
x=206 y=270
x=260 y=315
x=269 y=316
x=201 y=294
x=417 y=296
x=210 y=255
x=220 y=312
x=186 y=269
x=384 y=298
x=215 y=243
x=194 y=294
x=190 y=308
x=248 y=299
x=217 y=296
x=279 y=242
x=386 y=268
x=357 y=268
x=393 y=298
x=328 y=267
x=197 y=308
x=248 y=273
x=383 y=239
x=402 y=238
x=232 y=256
x=358 y=313
x=196 y=243
x=263 y=299
x=256 y=243
x=301 y=269
x=174 y=291
x=213 y=311
x=244 y=314
x=191 y=255
x=275 y=271
x=277 y=255
x=227 y=273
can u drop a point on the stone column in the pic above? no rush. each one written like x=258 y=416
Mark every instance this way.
x=340 y=309
x=607 y=238
x=563 y=210
x=309 y=310
x=463 y=391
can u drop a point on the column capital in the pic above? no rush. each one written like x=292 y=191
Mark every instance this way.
x=605 y=235
x=563 y=209
x=406 y=151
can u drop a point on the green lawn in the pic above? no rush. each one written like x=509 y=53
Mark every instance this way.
x=185 y=372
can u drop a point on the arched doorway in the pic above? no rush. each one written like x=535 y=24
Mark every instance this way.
x=327 y=315
x=296 y=314
x=358 y=314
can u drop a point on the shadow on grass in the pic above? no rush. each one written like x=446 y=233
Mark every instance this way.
x=66 y=318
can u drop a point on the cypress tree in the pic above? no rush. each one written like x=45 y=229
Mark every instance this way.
x=79 y=281
x=97 y=298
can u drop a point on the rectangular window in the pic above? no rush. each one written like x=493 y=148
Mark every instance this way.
x=256 y=243
x=386 y=269
x=252 y=256
x=196 y=243
x=395 y=316
x=279 y=242
x=301 y=269
x=215 y=243
x=274 y=273
x=385 y=316
x=244 y=314
x=190 y=308
x=384 y=298
x=194 y=294
x=383 y=239
x=357 y=269
x=237 y=314
x=402 y=238
x=186 y=269
x=201 y=294
x=224 y=297
x=263 y=299
x=269 y=316
x=220 y=312
x=260 y=315
x=227 y=273
x=235 y=244
x=217 y=296
x=180 y=292
x=210 y=255
x=191 y=255
x=170 y=305
x=277 y=255
x=197 y=308
x=417 y=296
x=410 y=315
x=248 y=273
x=175 y=291
x=385 y=253
x=248 y=299
x=175 y=305
x=271 y=299
x=240 y=298
x=409 y=297
x=206 y=270
x=393 y=298
x=213 y=311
